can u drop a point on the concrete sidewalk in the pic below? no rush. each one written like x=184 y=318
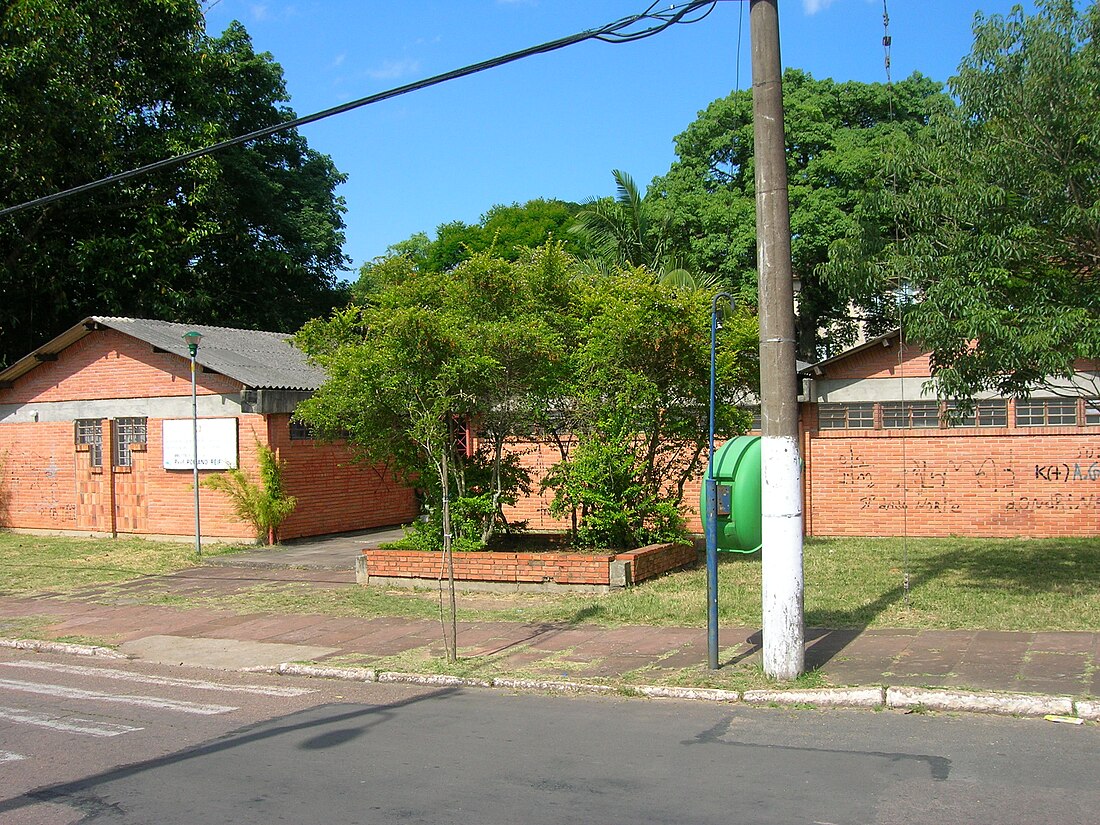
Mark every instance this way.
x=1050 y=663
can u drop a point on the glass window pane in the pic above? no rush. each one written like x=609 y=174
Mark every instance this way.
x=925 y=414
x=300 y=431
x=1030 y=413
x=831 y=416
x=1062 y=411
x=128 y=431
x=90 y=431
x=1092 y=410
x=861 y=416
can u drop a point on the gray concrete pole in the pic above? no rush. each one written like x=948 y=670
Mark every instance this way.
x=195 y=452
x=781 y=473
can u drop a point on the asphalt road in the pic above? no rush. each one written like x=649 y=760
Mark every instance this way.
x=96 y=741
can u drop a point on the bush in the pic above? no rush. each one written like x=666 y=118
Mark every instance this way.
x=264 y=505
x=615 y=510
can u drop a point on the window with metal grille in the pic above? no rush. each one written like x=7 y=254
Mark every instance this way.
x=1092 y=410
x=912 y=414
x=1046 y=412
x=991 y=413
x=128 y=431
x=846 y=416
x=300 y=431
x=89 y=431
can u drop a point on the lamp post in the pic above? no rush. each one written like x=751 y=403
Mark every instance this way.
x=711 y=526
x=192 y=339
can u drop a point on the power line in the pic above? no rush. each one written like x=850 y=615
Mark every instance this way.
x=620 y=31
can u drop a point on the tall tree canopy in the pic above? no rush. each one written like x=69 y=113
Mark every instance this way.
x=614 y=366
x=509 y=231
x=250 y=237
x=999 y=210
x=836 y=135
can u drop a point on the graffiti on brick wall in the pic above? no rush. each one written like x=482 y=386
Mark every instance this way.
x=1065 y=472
x=937 y=487
x=38 y=492
x=927 y=486
x=1058 y=502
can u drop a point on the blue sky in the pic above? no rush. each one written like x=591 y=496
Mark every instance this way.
x=552 y=125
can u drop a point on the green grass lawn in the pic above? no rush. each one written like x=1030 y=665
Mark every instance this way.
x=995 y=584
x=61 y=564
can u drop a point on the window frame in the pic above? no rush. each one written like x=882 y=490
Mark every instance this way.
x=88 y=433
x=846 y=419
x=128 y=425
x=1027 y=409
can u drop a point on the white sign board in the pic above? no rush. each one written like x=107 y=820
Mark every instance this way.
x=217 y=444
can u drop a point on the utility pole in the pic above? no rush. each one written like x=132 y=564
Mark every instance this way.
x=781 y=471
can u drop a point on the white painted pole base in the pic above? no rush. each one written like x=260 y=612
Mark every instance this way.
x=781 y=557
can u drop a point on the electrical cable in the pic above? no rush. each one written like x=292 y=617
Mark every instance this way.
x=619 y=31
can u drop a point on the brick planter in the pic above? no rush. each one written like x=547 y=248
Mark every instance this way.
x=524 y=571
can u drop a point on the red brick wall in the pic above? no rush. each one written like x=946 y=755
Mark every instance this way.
x=877 y=361
x=48 y=483
x=335 y=494
x=38 y=476
x=1039 y=482
x=1013 y=481
x=109 y=364
x=561 y=568
x=537 y=459
x=658 y=559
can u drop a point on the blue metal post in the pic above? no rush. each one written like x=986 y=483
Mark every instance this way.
x=711 y=515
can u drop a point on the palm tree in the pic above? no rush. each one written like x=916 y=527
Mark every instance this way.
x=627 y=231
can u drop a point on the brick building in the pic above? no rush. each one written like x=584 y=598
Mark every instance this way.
x=880 y=458
x=96 y=438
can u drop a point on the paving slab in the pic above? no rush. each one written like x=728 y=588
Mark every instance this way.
x=219 y=653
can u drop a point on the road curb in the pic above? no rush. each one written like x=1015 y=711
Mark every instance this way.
x=348 y=674
x=543 y=686
x=1088 y=710
x=1008 y=704
x=897 y=698
x=432 y=679
x=696 y=694
x=62 y=647
x=819 y=697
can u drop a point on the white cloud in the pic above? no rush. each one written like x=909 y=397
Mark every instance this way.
x=814 y=6
x=265 y=12
x=392 y=69
x=338 y=60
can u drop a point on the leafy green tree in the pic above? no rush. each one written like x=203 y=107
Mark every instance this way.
x=624 y=231
x=837 y=135
x=477 y=345
x=999 y=211
x=638 y=387
x=249 y=237
x=509 y=232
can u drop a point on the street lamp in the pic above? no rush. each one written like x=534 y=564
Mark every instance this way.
x=192 y=339
x=711 y=514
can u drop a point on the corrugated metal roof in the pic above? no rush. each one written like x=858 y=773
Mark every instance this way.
x=259 y=360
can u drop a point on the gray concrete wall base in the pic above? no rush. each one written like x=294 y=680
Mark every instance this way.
x=621 y=574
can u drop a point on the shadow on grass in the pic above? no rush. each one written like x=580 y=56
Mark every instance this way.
x=1024 y=568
